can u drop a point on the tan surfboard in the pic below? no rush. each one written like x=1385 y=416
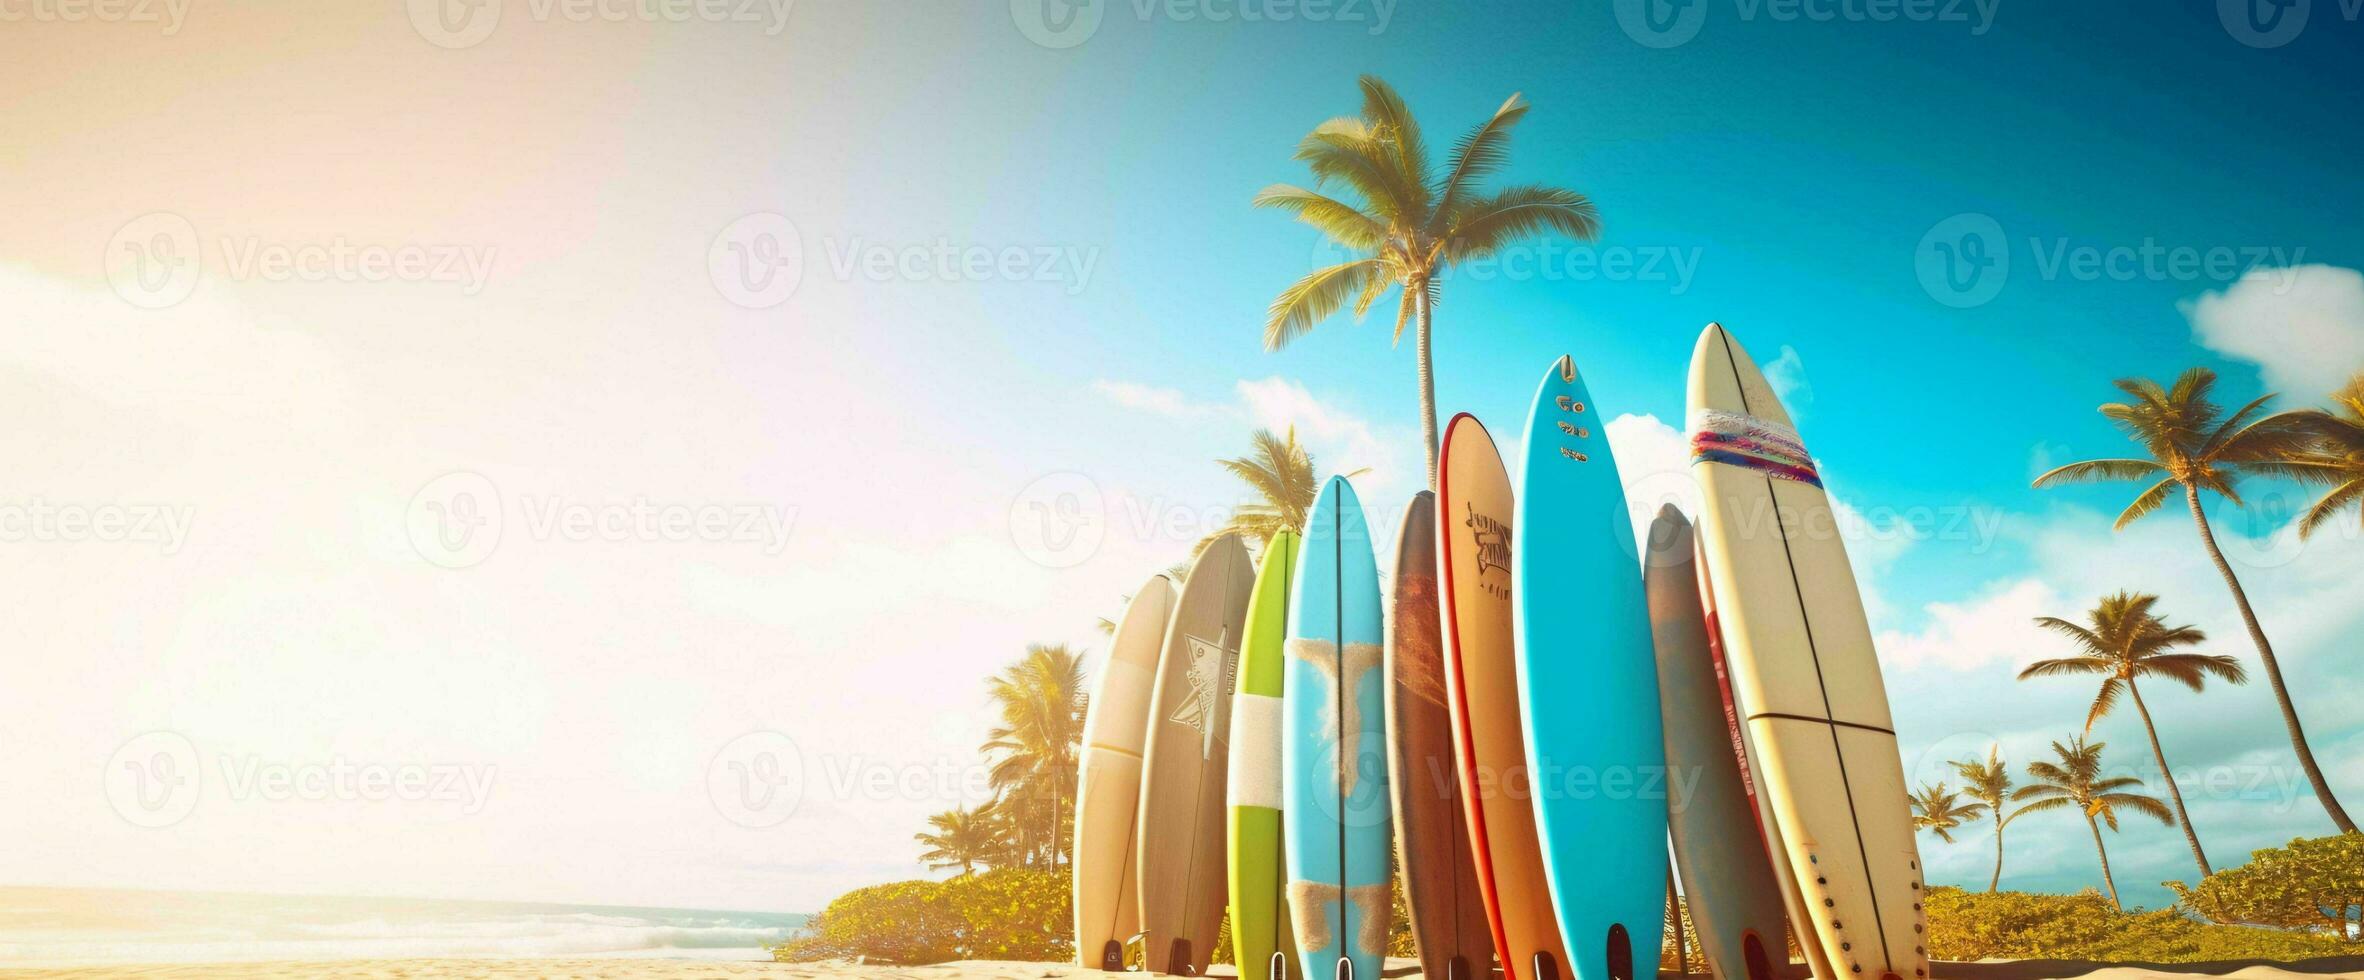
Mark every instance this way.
x=1728 y=882
x=1187 y=758
x=1108 y=784
x=1449 y=926
x=1804 y=674
x=1482 y=694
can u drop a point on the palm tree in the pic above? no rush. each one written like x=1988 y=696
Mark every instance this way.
x=1411 y=224
x=2076 y=782
x=962 y=838
x=1938 y=809
x=1280 y=472
x=2338 y=462
x=1033 y=750
x=1989 y=782
x=2121 y=642
x=2194 y=446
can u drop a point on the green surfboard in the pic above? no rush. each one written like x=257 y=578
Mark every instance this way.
x=1259 y=911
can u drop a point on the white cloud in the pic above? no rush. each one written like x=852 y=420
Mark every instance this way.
x=1994 y=628
x=2302 y=326
x=1787 y=374
x=1168 y=402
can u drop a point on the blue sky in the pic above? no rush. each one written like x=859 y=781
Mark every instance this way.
x=903 y=409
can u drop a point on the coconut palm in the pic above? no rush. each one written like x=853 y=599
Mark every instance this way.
x=1411 y=223
x=1940 y=810
x=2076 y=781
x=1033 y=750
x=2123 y=641
x=2195 y=447
x=963 y=838
x=1989 y=782
x=1280 y=473
x=2338 y=462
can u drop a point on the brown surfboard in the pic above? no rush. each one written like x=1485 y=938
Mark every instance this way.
x=1186 y=761
x=1482 y=695
x=1432 y=828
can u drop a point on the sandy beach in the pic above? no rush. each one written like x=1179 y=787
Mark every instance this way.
x=629 y=969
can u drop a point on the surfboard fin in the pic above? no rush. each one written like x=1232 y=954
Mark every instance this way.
x=1178 y=959
x=1545 y=968
x=1112 y=956
x=1345 y=969
x=1457 y=968
x=1279 y=970
x=1620 y=953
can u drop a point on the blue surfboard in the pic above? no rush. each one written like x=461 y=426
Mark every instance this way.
x=1588 y=681
x=1335 y=810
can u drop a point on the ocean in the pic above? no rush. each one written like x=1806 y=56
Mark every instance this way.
x=80 y=926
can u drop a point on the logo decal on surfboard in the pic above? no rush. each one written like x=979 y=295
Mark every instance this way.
x=1493 y=546
x=1213 y=668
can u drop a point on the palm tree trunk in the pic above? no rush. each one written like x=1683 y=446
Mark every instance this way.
x=1997 y=881
x=2106 y=880
x=2174 y=794
x=2273 y=669
x=1428 y=440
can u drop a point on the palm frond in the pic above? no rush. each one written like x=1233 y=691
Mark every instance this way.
x=1399 y=131
x=1479 y=154
x=1312 y=300
x=1486 y=224
x=1334 y=218
x=2096 y=470
x=2327 y=508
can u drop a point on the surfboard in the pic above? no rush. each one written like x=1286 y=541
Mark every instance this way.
x=1186 y=762
x=1108 y=780
x=1261 y=942
x=1768 y=836
x=1804 y=672
x=1449 y=926
x=1727 y=877
x=1482 y=693
x=1334 y=806
x=1588 y=682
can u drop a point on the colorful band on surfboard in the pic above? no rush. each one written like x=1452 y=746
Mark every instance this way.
x=1753 y=444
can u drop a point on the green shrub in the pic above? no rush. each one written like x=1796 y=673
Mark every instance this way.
x=2019 y=925
x=1006 y=914
x=2315 y=884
